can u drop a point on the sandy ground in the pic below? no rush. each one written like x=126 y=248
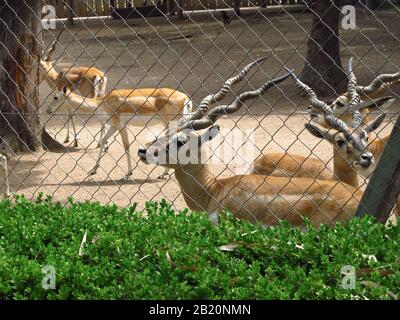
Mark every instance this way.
x=140 y=54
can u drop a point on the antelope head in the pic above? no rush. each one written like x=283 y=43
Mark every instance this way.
x=351 y=144
x=350 y=141
x=59 y=101
x=174 y=150
x=340 y=107
x=181 y=147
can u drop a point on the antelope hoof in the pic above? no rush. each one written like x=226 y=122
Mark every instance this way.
x=66 y=140
x=105 y=146
x=75 y=145
x=126 y=178
x=93 y=171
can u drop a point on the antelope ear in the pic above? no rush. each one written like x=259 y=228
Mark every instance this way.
x=383 y=103
x=210 y=134
x=374 y=124
x=320 y=133
x=315 y=131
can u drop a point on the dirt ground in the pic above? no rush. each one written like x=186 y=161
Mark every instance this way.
x=148 y=54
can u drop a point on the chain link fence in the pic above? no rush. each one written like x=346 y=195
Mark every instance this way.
x=193 y=47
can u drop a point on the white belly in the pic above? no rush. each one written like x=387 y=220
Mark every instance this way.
x=137 y=121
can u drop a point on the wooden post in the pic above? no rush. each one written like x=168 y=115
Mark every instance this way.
x=171 y=7
x=384 y=186
x=180 y=9
x=112 y=7
x=70 y=12
x=371 y=4
x=237 y=7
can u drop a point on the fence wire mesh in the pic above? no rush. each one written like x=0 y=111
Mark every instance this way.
x=193 y=47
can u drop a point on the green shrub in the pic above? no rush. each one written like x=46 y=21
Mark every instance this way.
x=160 y=254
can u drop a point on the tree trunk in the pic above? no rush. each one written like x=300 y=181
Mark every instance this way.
x=20 y=125
x=323 y=69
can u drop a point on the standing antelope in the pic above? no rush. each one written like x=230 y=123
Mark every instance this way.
x=162 y=104
x=88 y=81
x=282 y=164
x=265 y=199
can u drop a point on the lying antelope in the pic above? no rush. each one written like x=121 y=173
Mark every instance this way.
x=283 y=164
x=265 y=199
x=88 y=81
x=371 y=98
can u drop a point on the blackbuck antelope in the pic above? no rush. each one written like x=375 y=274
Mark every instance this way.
x=88 y=81
x=283 y=164
x=162 y=104
x=375 y=90
x=265 y=199
x=372 y=97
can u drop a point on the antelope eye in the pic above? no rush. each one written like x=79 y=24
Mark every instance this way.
x=340 y=143
x=55 y=98
x=339 y=104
